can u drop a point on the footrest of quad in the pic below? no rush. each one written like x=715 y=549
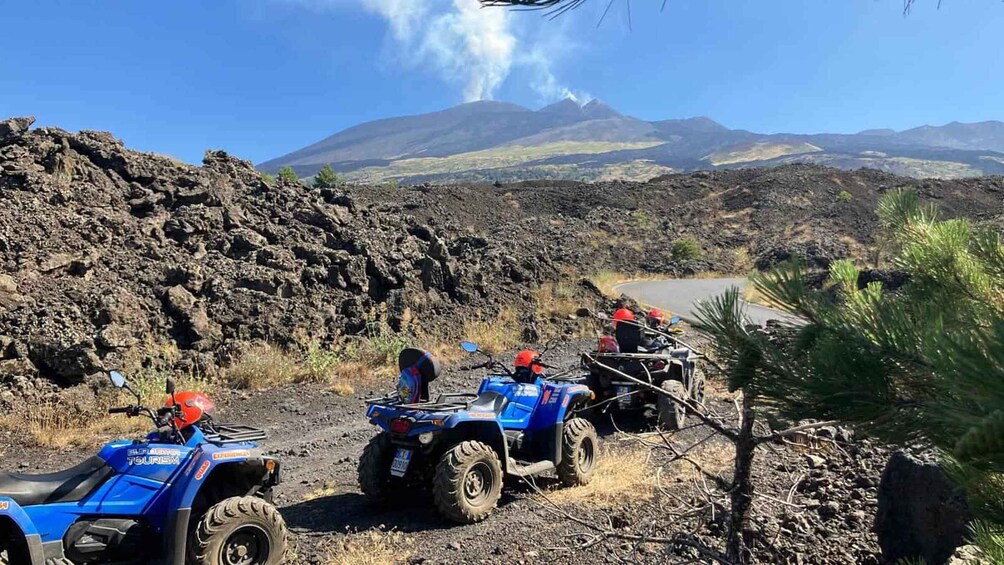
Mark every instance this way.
x=520 y=470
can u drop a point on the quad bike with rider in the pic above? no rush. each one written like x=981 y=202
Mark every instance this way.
x=643 y=353
x=193 y=492
x=519 y=423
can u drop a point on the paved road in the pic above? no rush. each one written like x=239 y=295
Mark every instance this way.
x=680 y=296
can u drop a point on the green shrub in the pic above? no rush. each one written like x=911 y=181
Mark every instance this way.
x=686 y=249
x=845 y=196
x=288 y=174
x=326 y=178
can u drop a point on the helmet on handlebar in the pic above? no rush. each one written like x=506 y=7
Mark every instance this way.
x=623 y=315
x=655 y=318
x=194 y=407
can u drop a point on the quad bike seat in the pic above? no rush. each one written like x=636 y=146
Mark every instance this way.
x=69 y=485
x=490 y=401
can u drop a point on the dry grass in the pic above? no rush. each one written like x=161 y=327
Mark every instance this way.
x=263 y=365
x=494 y=336
x=373 y=548
x=621 y=475
x=81 y=420
x=329 y=488
x=56 y=426
x=556 y=299
x=717 y=458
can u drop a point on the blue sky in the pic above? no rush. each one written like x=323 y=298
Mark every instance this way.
x=259 y=78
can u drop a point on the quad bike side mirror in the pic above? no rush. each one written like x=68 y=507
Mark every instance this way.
x=469 y=346
x=170 y=386
x=117 y=379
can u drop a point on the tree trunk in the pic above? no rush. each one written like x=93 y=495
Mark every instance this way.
x=742 y=488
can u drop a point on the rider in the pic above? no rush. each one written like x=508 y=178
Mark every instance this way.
x=623 y=315
x=527 y=367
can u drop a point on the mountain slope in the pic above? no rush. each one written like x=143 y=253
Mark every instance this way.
x=566 y=140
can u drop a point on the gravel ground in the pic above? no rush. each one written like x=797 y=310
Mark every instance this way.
x=808 y=503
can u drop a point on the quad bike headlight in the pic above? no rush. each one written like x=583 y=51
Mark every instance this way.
x=425 y=438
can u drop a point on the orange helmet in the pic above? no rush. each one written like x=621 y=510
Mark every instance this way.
x=655 y=317
x=194 y=407
x=623 y=315
x=529 y=359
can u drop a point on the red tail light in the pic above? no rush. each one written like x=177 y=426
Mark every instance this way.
x=400 y=426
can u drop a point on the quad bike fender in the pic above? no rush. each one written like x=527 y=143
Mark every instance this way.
x=487 y=431
x=571 y=399
x=207 y=460
x=13 y=516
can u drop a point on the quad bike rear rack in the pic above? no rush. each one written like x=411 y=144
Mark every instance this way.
x=449 y=402
x=223 y=434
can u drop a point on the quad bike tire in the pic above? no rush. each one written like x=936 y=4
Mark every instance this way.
x=242 y=530
x=578 y=452
x=697 y=385
x=375 y=479
x=672 y=415
x=468 y=482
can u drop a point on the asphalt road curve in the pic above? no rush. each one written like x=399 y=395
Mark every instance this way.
x=681 y=296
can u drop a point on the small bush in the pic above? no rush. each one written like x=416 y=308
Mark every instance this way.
x=267 y=179
x=373 y=548
x=494 y=336
x=685 y=249
x=845 y=196
x=263 y=365
x=326 y=178
x=288 y=174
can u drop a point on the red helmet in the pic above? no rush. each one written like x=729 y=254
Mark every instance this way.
x=529 y=359
x=623 y=315
x=194 y=407
x=655 y=318
x=608 y=345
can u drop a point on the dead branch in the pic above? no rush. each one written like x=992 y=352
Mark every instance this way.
x=611 y=533
x=794 y=430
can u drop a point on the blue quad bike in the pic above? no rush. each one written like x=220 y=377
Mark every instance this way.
x=193 y=492
x=519 y=423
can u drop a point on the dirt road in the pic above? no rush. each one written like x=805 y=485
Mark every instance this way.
x=682 y=296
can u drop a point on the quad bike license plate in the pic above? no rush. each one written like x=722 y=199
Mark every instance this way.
x=401 y=461
x=624 y=396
